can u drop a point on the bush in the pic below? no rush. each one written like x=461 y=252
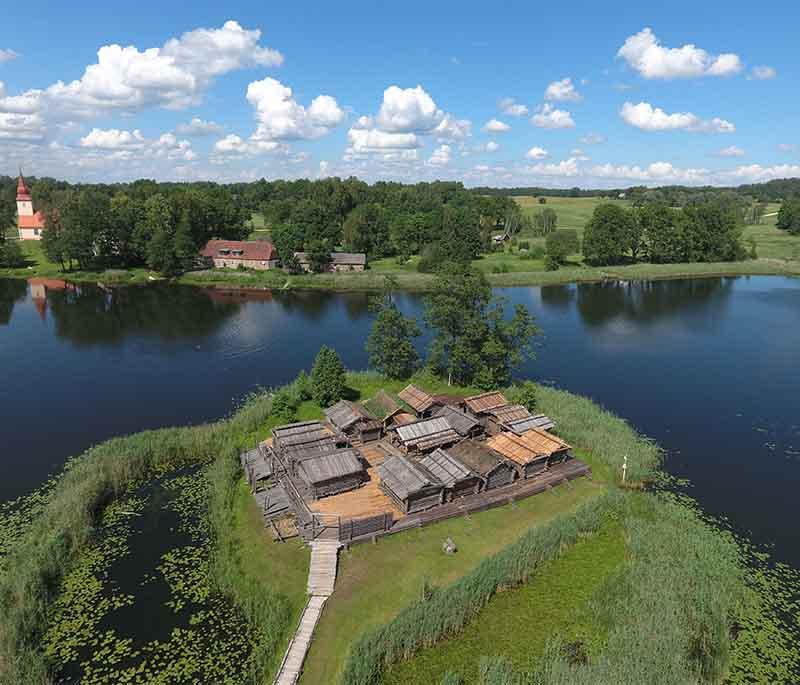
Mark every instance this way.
x=501 y=268
x=551 y=263
x=561 y=244
x=524 y=245
x=11 y=254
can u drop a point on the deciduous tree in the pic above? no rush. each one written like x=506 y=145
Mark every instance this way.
x=327 y=377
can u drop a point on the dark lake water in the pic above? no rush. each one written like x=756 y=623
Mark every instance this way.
x=707 y=367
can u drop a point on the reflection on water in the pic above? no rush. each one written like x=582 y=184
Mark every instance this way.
x=708 y=367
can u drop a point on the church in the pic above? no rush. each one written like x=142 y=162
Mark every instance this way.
x=29 y=223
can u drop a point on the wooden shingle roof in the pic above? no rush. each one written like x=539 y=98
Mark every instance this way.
x=481 y=404
x=344 y=414
x=535 y=421
x=545 y=442
x=427 y=433
x=417 y=399
x=530 y=446
x=335 y=464
x=449 y=470
x=300 y=433
x=404 y=477
x=459 y=421
x=509 y=413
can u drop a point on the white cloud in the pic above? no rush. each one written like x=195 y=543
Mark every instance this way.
x=113 y=139
x=730 y=151
x=648 y=118
x=787 y=147
x=481 y=168
x=21 y=127
x=512 y=108
x=537 y=153
x=372 y=140
x=562 y=91
x=280 y=117
x=567 y=167
x=7 y=55
x=451 y=129
x=592 y=139
x=496 y=126
x=579 y=154
x=409 y=110
x=120 y=144
x=646 y=55
x=440 y=156
x=198 y=127
x=234 y=146
x=758 y=173
x=659 y=172
x=548 y=116
x=763 y=73
x=492 y=146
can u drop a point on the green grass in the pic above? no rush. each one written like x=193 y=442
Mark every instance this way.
x=375 y=582
x=518 y=623
x=573 y=212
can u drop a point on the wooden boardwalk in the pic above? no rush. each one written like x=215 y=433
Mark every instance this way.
x=321 y=581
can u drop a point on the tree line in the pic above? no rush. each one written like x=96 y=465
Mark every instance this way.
x=789 y=216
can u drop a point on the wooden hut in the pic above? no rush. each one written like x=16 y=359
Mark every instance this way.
x=531 y=452
x=426 y=435
x=331 y=473
x=494 y=470
x=383 y=407
x=540 y=421
x=464 y=424
x=295 y=442
x=499 y=418
x=481 y=405
x=257 y=464
x=458 y=479
x=352 y=421
x=419 y=400
x=410 y=486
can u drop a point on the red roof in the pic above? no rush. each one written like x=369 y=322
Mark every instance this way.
x=22 y=189
x=253 y=250
x=35 y=221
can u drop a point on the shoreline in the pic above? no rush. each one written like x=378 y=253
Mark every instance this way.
x=371 y=281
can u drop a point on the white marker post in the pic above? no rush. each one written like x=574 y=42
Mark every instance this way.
x=624 y=467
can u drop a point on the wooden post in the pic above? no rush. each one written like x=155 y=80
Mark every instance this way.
x=624 y=467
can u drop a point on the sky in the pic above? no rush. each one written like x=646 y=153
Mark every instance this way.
x=512 y=94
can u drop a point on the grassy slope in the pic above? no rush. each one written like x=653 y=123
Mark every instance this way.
x=518 y=623
x=779 y=253
x=375 y=582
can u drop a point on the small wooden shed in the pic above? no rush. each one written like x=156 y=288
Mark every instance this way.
x=532 y=451
x=352 y=421
x=464 y=424
x=500 y=418
x=383 y=407
x=419 y=400
x=480 y=406
x=410 y=486
x=494 y=470
x=426 y=435
x=331 y=473
x=457 y=478
x=257 y=464
x=533 y=421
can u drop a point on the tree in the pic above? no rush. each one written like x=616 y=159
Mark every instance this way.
x=389 y=344
x=546 y=221
x=524 y=394
x=657 y=223
x=183 y=245
x=319 y=256
x=473 y=340
x=327 y=377
x=282 y=406
x=789 y=216
x=561 y=244
x=608 y=235
x=11 y=253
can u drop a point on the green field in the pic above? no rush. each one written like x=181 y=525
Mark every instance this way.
x=573 y=212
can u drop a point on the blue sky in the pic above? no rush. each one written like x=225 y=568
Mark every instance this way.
x=587 y=94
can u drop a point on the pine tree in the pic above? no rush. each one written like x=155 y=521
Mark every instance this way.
x=327 y=377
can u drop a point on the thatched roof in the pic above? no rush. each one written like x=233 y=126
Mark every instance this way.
x=382 y=405
x=404 y=478
x=476 y=456
x=417 y=399
x=449 y=470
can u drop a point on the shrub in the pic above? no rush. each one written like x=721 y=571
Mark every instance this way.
x=11 y=254
x=524 y=245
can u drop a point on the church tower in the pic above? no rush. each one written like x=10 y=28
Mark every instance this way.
x=24 y=199
x=30 y=223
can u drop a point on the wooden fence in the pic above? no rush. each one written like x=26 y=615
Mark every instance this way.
x=355 y=528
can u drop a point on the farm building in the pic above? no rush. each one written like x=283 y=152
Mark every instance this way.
x=410 y=486
x=539 y=421
x=494 y=470
x=462 y=423
x=481 y=405
x=331 y=473
x=425 y=435
x=458 y=479
x=444 y=399
x=382 y=406
x=248 y=254
x=295 y=442
x=419 y=400
x=340 y=261
x=257 y=464
x=531 y=452
x=350 y=419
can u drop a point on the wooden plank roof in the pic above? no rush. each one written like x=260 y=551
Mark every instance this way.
x=417 y=399
x=480 y=404
x=534 y=421
x=459 y=421
x=332 y=465
x=449 y=470
x=510 y=412
x=301 y=433
x=530 y=446
x=344 y=414
x=404 y=477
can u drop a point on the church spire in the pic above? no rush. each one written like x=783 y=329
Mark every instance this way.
x=23 y=194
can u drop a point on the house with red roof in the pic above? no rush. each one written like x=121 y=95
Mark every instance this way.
x=248 y=254
x=29 y=223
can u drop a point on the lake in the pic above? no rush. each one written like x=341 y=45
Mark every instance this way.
x=707 y=367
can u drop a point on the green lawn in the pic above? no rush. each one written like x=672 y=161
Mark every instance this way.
x=517 y=624
x=573 y=212
x=375 y=582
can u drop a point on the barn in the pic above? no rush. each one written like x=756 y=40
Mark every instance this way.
x=532 y=451
x=462 y=423
x=331 y=473
x=481 y=406
x=457 y=478
x=352 y=421
x=519 y=426
x=426 y=435
x=494 y=470
x=305 y=439
x=419 y=400
x=410 y=486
